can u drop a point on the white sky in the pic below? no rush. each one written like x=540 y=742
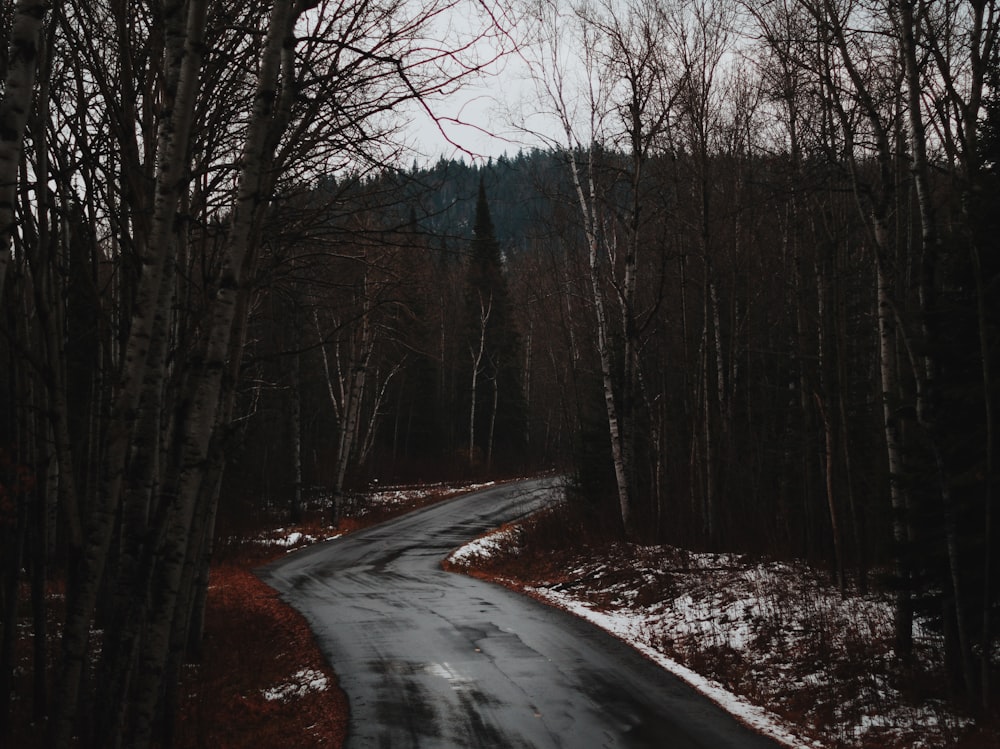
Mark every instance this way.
x=489 y=115
x=477 y=120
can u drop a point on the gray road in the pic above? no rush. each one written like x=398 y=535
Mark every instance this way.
x=440 y=660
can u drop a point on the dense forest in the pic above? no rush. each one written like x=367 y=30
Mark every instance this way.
x=746 y=298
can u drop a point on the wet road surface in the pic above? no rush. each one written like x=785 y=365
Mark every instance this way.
x=439 y=660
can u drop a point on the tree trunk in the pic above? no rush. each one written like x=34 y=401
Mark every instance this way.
x=371 y=430
x=295 y=427
x=136 y=544
x=709 y=525
x=824 y=407
x=183 y=66
x=983 y=323
x=493 y=422
x=352 y=408
x=619 y=453
x=15 y=106
x=215 y=470
x=203 y=408
x=485 y=307
x=926 y=405
x=829 y=440
x=903 y=610
x=527 y=384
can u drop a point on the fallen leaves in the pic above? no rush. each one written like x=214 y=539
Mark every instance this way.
x=263 y=681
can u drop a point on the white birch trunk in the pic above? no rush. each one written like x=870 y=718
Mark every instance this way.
x=349 y=426
x=916 y=131
x=587 y=202
x=184 y=34
x=203 y=410
x=354 y=395
x=334 y=402
x=903 y=611
x=22 y=67
x=215 y=471
x=477 y=358
x=133 y=573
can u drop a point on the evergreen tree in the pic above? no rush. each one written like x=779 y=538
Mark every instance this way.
x=495 y=401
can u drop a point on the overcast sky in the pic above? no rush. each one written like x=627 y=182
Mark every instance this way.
x=482 y=119
x=488 y=116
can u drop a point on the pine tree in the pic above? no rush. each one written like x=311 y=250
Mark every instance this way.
x=495 y=397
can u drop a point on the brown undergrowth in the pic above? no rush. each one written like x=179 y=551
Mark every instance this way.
x=254 y=645
x=253 y=642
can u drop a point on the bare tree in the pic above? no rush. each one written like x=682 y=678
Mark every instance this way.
x=627 y=94
x=945 y=52
x=146 y=173
x=477 y=350
x=15 y=107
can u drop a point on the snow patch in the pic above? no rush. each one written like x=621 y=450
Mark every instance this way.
x=291 y=540
x=628 y=626
x=303 y=682
x=391 y=496
x=761 y=638
x=483 y=547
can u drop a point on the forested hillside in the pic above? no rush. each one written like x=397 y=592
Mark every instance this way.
x=746 y=296
x=772 y=376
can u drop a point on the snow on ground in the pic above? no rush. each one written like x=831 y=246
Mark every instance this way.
x=293 y=539
x=629 y=625
x=359 y=507
x=303 y=682
x=389 y=496
x=482 y=548
x=772 y=642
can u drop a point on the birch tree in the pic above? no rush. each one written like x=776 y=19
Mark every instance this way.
x=876 y=64
x=626 y=95
x=184 y=44
x=944 y=51
x=876 y=99
x=495 y=396
x=355 y=375
x=147 y=175
x=702 y=33
x=477 y=350
x=15 y=107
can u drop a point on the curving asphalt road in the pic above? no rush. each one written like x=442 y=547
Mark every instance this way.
x=438 y=660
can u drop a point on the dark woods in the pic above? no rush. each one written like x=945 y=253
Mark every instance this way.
x=760 y=314
x=155 y=159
